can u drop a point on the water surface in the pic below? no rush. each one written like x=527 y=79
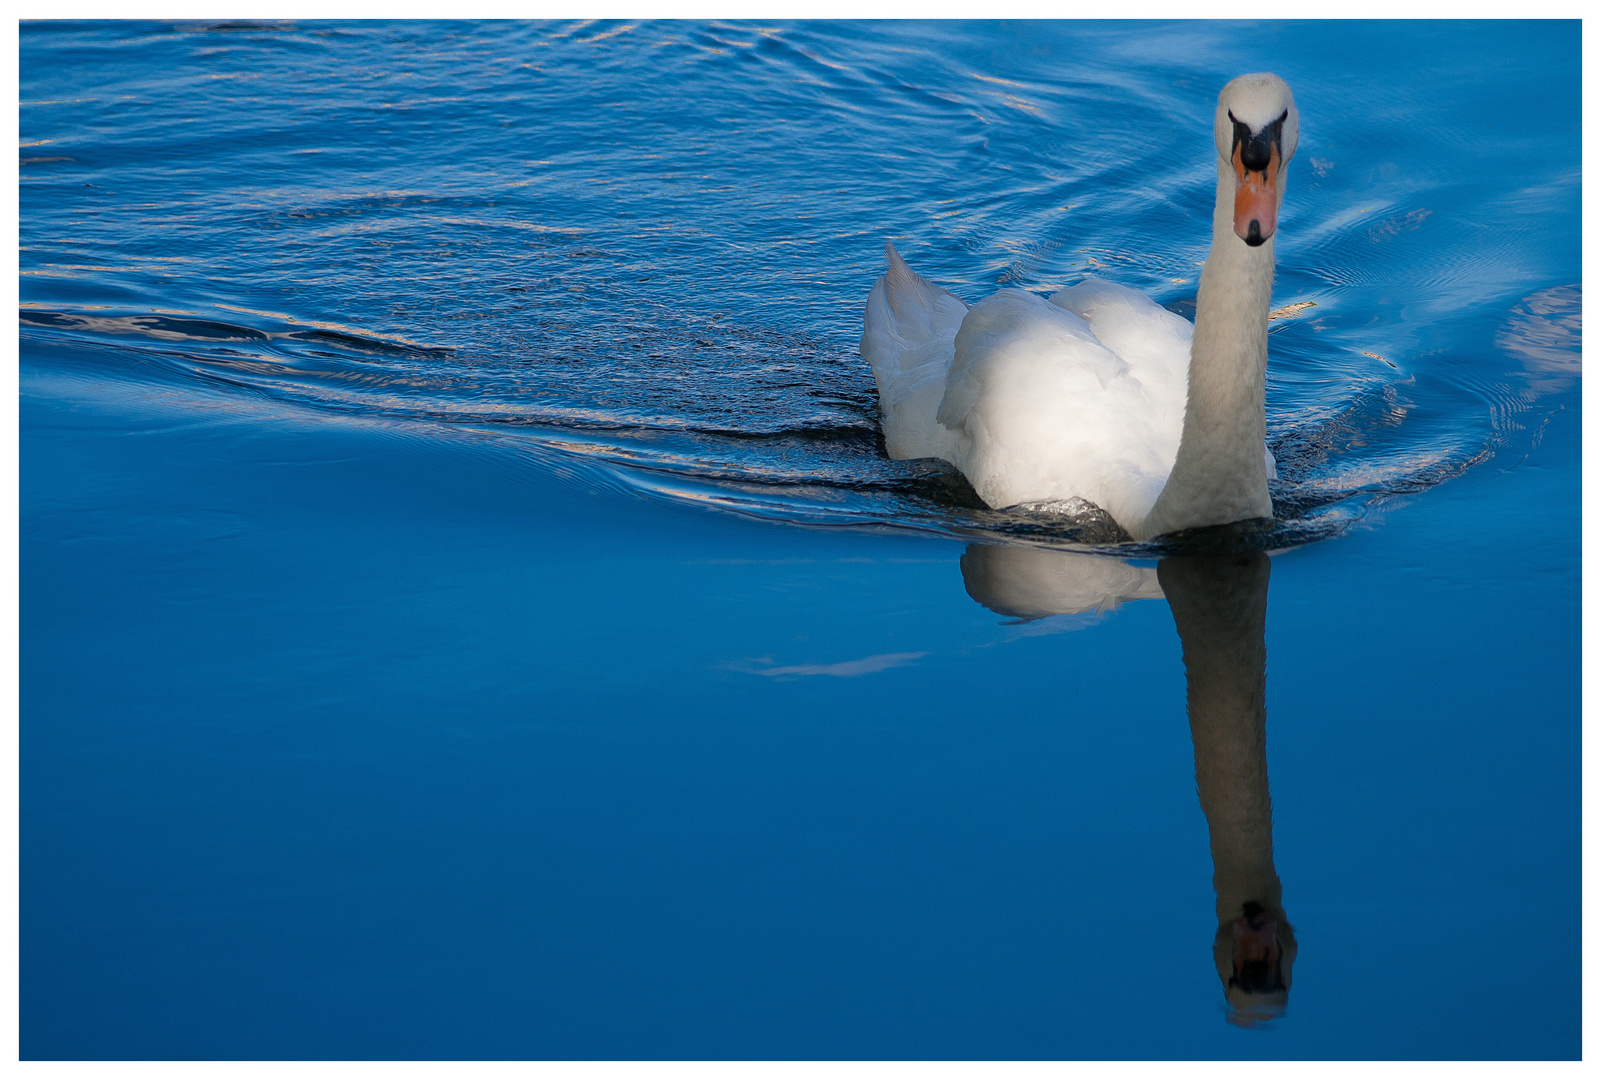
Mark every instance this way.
x=467 y=610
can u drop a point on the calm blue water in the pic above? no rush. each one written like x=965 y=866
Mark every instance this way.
x=466 y=610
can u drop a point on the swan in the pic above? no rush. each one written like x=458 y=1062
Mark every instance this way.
x=1099 y=394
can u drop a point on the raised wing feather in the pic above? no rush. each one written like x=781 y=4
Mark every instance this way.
x=909 y=340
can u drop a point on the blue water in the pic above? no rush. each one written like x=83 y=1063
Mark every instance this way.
x=467 y=611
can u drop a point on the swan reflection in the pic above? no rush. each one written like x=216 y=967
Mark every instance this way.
x=1035 y=583
x=1219 y=605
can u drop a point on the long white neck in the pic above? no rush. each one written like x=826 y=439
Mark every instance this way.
x=1220 y=474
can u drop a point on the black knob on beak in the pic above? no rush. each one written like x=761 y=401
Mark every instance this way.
x=1256 y=150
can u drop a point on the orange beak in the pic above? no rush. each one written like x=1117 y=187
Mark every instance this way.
x=1256 y=199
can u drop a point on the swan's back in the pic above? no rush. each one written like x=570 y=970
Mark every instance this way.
x=1151 y=340
x=1035 y=401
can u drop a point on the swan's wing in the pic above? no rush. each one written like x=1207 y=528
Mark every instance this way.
x=1043 y=410
x=908 y=340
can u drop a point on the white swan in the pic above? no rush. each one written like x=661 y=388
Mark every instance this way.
x=1099 y=393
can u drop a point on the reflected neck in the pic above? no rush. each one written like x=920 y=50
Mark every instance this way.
x=1219 y=606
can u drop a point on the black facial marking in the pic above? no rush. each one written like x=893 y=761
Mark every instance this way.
x=1256 y=150
x=1253 y=235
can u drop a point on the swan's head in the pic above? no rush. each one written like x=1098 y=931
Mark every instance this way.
x=1256 y=128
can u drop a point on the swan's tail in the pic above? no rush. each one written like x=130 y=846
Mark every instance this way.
x=909 y=339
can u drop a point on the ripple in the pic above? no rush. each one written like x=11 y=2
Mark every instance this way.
x=504 y=238
x=789 y=451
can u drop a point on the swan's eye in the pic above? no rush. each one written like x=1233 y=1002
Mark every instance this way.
x=1256 y=149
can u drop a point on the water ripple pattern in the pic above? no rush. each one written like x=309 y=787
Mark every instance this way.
x=644 y=248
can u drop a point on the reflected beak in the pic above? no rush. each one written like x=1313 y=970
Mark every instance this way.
x=1256 y=199
x=1255 y=944
x=1257 y=954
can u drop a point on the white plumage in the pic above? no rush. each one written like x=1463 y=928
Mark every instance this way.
x=1034 y=401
